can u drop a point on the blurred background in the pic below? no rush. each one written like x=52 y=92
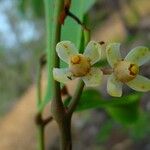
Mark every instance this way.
x=22 y=41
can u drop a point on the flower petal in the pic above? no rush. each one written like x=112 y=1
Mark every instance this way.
x=62 y=75
x=140 y=83
x=113 y=53
x=114 y=87
x=93 y=78
x=139 y=55
x=65 y=49
x=93 y=52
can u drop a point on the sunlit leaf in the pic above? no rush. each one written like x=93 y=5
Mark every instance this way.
x=50 y=12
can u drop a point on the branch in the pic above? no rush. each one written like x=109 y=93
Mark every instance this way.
x=42 y=122
x=77 y=20
x=47 y=120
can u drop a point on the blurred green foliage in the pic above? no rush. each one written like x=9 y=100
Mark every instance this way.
x=31 y=8
x=18 y=62
x=138 y=131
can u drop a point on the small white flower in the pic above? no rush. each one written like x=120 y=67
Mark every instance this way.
x=126 y=70
x=80 y=65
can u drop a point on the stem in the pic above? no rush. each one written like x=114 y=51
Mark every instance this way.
x=40 y=134
x=57 y=108
x=40 y=127
x=47 y=120
x=41 y=145
x=77 y=20
x=65 y=134
x=75 y=98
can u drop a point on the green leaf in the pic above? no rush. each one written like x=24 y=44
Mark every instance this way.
x=89 y=99
x=51 y=13
x=124 y=100
x=125 y=114
x=92 y=98
x=125 y=109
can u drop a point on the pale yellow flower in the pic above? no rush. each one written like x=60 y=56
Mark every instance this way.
x=80 y=65
x=126 y=70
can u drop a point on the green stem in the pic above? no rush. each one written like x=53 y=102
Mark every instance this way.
x=40 y=127
x=87 y=36
x=40 y=133
x=76 y=97
x=39 y=73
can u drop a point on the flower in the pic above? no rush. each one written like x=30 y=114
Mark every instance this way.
x=80 y=65
x=126 y=70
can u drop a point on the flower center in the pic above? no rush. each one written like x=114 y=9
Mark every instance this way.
x=75 y=59
x=125 y=71
x=79 y=65
x=134 y=69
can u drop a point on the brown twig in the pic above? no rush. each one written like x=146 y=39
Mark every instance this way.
x=47 y=120
x=42 y=122
x=63 y=13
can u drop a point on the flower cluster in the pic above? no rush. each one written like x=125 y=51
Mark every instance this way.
x=125 y=71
